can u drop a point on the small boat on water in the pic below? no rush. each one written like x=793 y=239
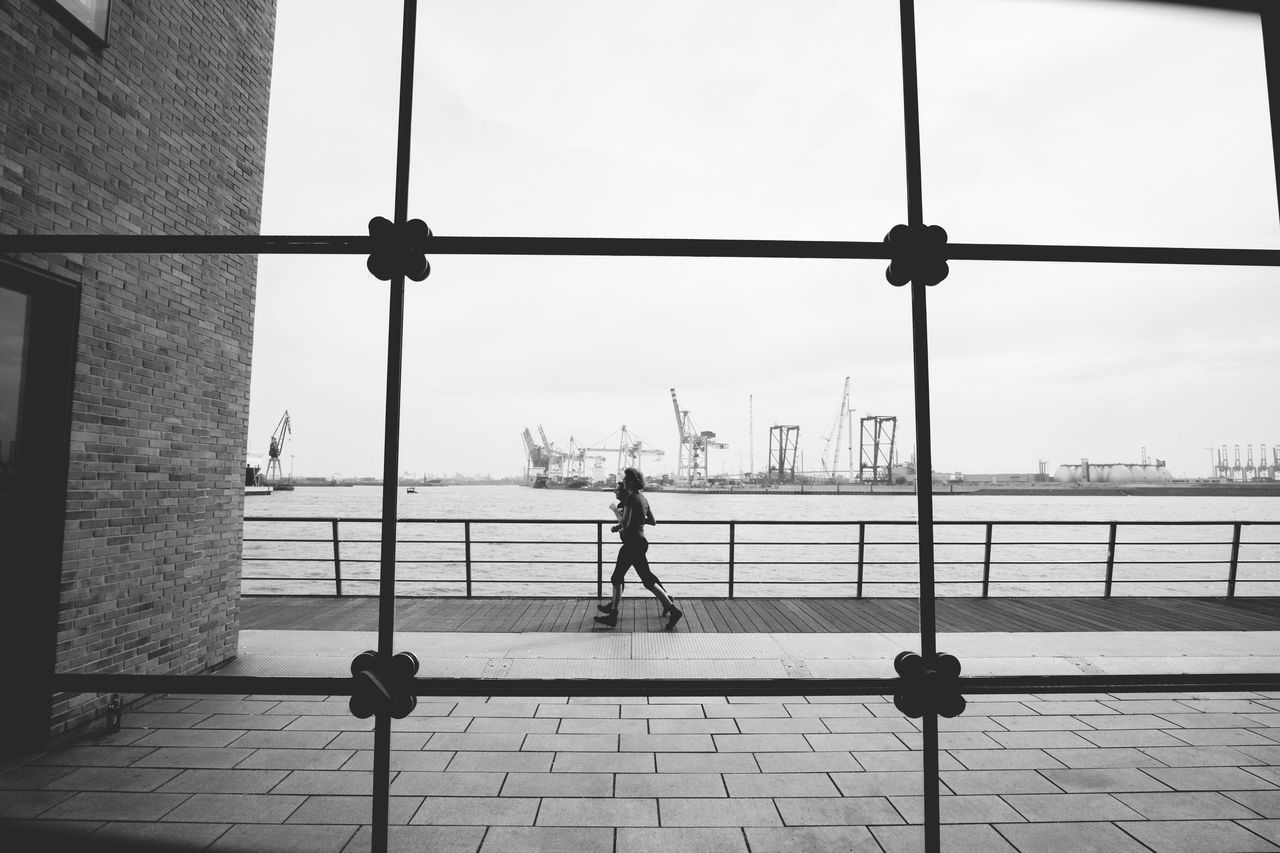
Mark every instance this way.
x=411 y=491
x=542 y=481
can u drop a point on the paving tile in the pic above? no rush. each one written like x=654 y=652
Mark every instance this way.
x=804 y=762
x=761 y=709
x=610 y=726
x=978 y=808
x=1053 y=707
x=477 y=741
x=832 y=811
x=364 y=740
x=506 y=708
x=557 y=785
x=1179 y=805
x=964 y=740
x=1268 y=829
x=166 y=836
x=1195 y=836
x=769 y=743
x=603 y=762
x=726 y=725
x=223 y=781
x=1209 y=779
x=574 y=743
x=1103 y=780
x=330 y=724
x=906 y=761
x=780 y=785
x=599 y=811
x=414 y=723
x=477 y=811
x=1264 y=754
x=1221 y=737
x=1108 y=722
x=525 y=725
x=866 y=725
x=296 y=759
x=812 y=839
x=1130 y=737
x=453 y=839
x=997 y=782
x=990 y=707
x=401 y=759
x=879 y=783
x=544 y=839
x=194 y=756
x=266 y=838
x=114 y=779
x=1146 y=706
x=352 y=810
x=1202 y=756
x=828 y=710
x=1207 y=721
x=1110 y=757
x=326 y=782
x=1004 y=759
x=29 y=777
x=688 y=712
x=244 y=722
x=1265 y=803
x=1077 y=837
x=93 y=756
x=1043 y=740
x=670 y=785
x=234 y=808
x=454 y=783
x=667 y=743
x=291 y=740
x=956 y=838
x=769 y=700
x=508 y=762
x=711 y=811
x=230 y=706
x=189 y=737
x=871 y=742
x=159 y=720
x=297 y=708
x=628 y=700
x=1052 y=808
x=613 y=711
x=680 y=840
x=707 y=762
x=1043 y=723
x=19 y=805
x=1271 y=774
x=780 y=725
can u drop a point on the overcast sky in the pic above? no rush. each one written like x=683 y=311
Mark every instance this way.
x=1043 y=121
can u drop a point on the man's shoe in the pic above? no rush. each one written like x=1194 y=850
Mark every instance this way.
x=608 y=608
x=675 y=617
x=611 y=620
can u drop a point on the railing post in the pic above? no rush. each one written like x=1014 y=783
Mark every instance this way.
x=599 y=559
x=986 y=564
x=337 y=558
x=731 y=540
x=466 y=537
x=862 y=544
x=1235 y=561
x=1111 y=560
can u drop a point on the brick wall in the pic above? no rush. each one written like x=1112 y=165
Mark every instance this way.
x=161 y=132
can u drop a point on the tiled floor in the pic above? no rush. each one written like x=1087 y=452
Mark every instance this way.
x=1156 y=772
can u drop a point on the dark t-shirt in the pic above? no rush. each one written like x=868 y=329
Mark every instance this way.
x=635 y=512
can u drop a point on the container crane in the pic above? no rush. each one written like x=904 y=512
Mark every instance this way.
x=844 y=418
x=283 y=429
x=692 y=464
x=630 y=448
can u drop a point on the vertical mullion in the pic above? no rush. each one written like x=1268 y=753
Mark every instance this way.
x=1271 y=57
x=924 y=460
x=391 y=440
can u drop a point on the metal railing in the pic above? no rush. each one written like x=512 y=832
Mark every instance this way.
x=858 y=558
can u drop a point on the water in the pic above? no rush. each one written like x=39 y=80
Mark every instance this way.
x=510 y=555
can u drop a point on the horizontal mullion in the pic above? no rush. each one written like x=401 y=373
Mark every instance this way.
x=627 y=246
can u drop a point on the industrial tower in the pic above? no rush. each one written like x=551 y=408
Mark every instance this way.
x=878 y=435
x=692 y=463
x=783 y=441
x=630 y=448
x=274 y=472
x=844 y=421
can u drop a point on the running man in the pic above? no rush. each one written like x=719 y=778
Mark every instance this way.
x=635 y=515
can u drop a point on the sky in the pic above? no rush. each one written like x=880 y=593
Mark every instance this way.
x=1043 y=121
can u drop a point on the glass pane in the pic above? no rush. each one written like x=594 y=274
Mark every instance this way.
x=1104 y=123
x=14 y=310
x=675 y=119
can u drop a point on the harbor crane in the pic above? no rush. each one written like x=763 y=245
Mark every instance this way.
x=879 y=435
x=694 y=445
x=843 y=420
x=630 y=448
x=283 y=429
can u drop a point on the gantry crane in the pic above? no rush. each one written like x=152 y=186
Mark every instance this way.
x=283 y=429
x=692 y=464
x=630 y=448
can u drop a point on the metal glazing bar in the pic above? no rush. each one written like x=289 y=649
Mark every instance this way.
x=629 y=247
x=1271 y=56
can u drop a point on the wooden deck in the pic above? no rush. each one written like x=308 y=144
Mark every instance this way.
x=767 y=615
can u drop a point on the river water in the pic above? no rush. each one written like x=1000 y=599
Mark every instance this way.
x=548 y=542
